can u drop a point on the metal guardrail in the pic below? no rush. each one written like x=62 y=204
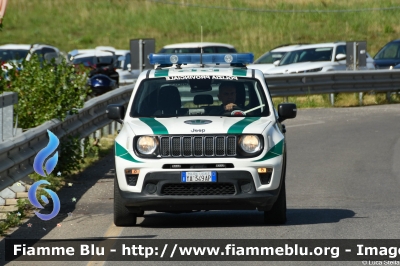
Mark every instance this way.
x=7 y=100
x=17 y=154
x=333 y=82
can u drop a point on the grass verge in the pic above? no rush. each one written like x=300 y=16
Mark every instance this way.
x=251 y=26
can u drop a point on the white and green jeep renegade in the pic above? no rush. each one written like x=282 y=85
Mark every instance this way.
x=200 y=138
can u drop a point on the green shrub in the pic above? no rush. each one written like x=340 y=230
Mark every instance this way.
x=45 y=90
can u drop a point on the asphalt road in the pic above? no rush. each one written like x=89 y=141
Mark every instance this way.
x=343 y=180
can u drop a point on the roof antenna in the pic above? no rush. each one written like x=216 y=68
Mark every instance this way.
x=201 y=48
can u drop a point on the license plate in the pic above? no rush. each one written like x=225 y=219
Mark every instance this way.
x=210 y=176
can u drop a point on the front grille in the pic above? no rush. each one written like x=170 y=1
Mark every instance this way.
x=197 y=146
x=198 y=189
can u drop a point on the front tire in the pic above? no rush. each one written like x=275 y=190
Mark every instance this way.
x=277 y=215
x=122 y=216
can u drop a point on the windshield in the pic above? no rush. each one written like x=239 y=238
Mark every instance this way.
x=269 y=58
x=390 y=51
x=307 y=55
x=162 y=97
x=12 y=55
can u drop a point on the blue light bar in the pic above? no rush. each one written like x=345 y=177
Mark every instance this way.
x=167 y=59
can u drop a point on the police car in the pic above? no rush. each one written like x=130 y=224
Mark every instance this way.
x=200 y=138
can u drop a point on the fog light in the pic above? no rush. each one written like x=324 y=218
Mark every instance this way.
x=246 y=187
x=151 y=188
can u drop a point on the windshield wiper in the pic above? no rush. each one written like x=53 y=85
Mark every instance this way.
x=255 y=108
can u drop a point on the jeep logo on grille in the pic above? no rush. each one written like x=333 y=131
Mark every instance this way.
x=194 y=130
x=198 y=122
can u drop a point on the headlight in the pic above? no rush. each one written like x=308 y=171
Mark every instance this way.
x=146 y=144
x=250 y=143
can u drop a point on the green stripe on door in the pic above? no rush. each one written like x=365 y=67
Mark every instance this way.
x=238 y=127
x=275 y=151
x=240 y=72
x=123 y=153
x=157 y=127
x=161 y=73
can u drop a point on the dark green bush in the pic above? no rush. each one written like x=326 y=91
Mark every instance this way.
x=45 y=90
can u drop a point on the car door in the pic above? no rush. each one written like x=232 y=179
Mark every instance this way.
x=339 y=64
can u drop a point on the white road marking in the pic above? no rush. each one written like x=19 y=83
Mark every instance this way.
x=307 y=124
x=112 y=231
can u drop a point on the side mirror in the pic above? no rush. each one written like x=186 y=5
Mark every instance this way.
x=340 y=57
x=129 y=67
x=73 y=52
x=276 y=63
x=286 y=111
x=115 y=112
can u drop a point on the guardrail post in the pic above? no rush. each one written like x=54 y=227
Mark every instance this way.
x=83 y=147
x=112 y=127
x=7 y=100
x=332 y=98
x=105 y=131
x=388 y=99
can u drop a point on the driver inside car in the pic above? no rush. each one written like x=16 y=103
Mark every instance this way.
x=227 y=95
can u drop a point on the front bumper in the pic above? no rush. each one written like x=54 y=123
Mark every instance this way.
x=164 y=191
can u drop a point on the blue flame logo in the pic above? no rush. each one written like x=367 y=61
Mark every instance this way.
x=44 y=153
x=38 y=167
x=36 y=203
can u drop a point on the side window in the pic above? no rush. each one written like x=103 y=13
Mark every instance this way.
x=391 y=52
x=38 y=52
x=48 y=50
x=49 y=54
x=208 y=50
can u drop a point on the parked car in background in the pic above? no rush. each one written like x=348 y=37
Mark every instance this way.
x=388 y=56
x=321 y=57
x=127 y=75
x=266 y=61
x=100 y=62
x=16 y=53
x=195 y=47
x=123 y=67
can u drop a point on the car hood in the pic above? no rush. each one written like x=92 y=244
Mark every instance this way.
x=263 y=67
x=198 y=125
x=295 y=67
